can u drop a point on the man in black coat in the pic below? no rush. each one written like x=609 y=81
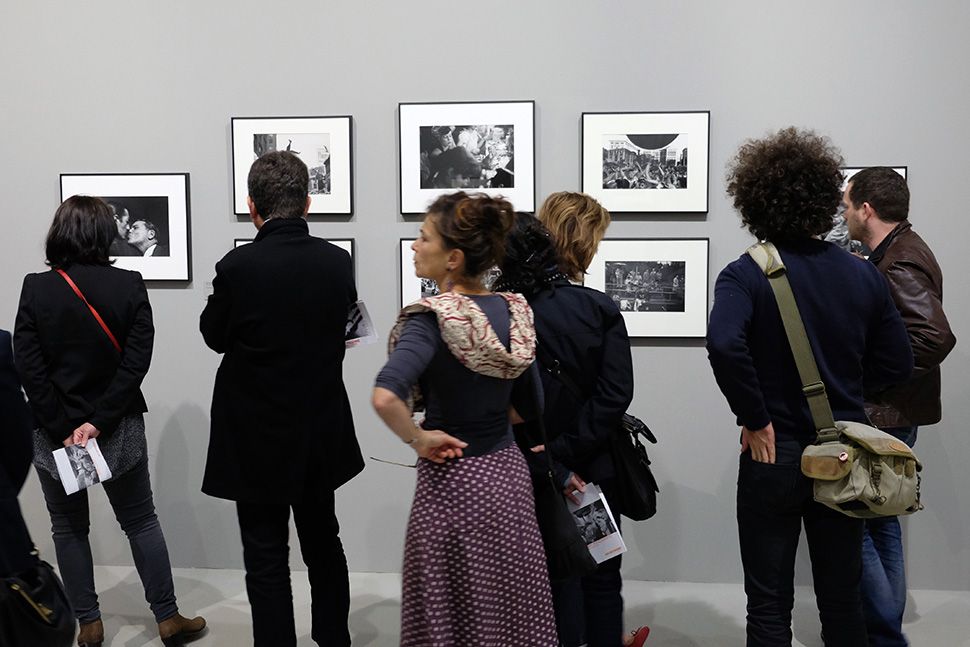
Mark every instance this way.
x=16 y=423
x=282 y=433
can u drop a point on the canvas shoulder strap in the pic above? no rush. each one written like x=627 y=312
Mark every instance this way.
x=767 y=257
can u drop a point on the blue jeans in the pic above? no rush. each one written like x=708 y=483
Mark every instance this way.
x=589 y=610
x=130 y=495
x=884 y=571
x=774 y=500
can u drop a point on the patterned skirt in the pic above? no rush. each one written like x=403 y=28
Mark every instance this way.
x=474 y=567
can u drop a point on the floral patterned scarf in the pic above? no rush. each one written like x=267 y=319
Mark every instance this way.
x=470 y=337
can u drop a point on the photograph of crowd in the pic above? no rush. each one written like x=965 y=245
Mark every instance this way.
x=471 y=156
x=429 y=288
x=312 y=148
x=594 y=522
x=646 y=286
x=142 y=223
x=645 y=161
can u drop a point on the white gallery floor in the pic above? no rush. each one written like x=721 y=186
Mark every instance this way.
x=680 y=615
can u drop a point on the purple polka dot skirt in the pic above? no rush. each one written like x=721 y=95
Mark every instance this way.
x=474 y=567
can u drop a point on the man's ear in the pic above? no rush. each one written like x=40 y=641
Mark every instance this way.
x=306 y=209
x=868 y=211
x=253 y=215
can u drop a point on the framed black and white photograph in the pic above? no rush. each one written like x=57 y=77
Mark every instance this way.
x=659 y=284
x=324 y=145
x=473 y=146
x=839 y=234
x=413 y=287
x=152 y=215
x=647 y=162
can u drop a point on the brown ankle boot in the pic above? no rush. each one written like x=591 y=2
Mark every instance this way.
x=91 y=634
x=178 y=630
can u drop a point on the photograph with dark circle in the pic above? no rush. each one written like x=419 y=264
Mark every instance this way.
x=143 y=226
x=646 y=286
x=645 y=161
x=594 y=522
x=467 y=156
x=312 y=148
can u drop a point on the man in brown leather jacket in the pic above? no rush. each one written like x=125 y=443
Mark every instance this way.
x=876 y=211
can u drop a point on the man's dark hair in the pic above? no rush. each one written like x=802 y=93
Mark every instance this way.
x=279 y=184
x=82 y=232
x=884 y=189
x=786 y=186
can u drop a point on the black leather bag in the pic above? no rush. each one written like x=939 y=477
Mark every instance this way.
x=567 y=555
x=635 y=495
x=34 y=610
x=635 y=488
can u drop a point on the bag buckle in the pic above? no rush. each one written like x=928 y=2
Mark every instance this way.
x=815 y=388
x=828 y=435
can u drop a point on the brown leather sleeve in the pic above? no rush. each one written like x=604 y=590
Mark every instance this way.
x=919 y=300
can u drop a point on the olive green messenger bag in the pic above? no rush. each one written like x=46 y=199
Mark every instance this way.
x=857 y=469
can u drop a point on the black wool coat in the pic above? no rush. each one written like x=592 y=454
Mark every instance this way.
x=282 y=428
x=69 y=368
x=584 y=331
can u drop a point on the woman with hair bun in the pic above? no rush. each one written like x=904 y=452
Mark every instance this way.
x=581 y=331
x=474 y=566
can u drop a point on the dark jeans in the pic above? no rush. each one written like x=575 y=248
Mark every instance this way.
x=589 y=610
x=265 y=534
x=773 y=502
x=130 y=495
x=884 y=571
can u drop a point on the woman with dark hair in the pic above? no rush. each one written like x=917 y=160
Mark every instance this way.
x=786 y=187
x=583 y=331
x=83 y=344
x=474 y=566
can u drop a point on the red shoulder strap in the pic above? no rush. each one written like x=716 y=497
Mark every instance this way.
x=104 y=326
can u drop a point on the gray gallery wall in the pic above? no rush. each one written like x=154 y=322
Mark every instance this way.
x=119 y=86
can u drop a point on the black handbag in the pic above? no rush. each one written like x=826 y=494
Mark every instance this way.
x=567 y=555
x=635 y=488
x=34 y=610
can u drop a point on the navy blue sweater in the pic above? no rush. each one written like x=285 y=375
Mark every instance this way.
x=854 y=329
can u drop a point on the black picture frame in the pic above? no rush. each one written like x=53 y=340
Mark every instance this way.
x=673 y=301
x=509 y=160
x=310 y=138
x=161 y=247
x=647 y=162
